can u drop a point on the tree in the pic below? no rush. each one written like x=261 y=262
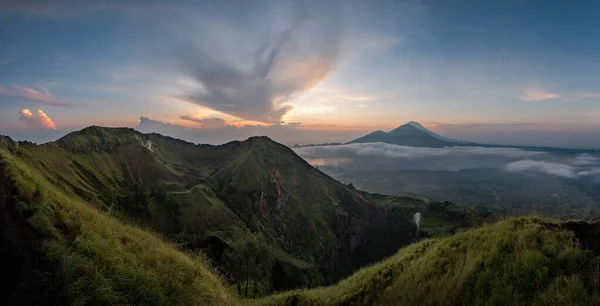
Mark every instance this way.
x=249 y=258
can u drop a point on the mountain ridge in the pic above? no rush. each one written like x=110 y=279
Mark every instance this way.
x=207 y=197
x=108 y=233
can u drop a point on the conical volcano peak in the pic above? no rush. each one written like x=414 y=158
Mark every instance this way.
x=411 y=134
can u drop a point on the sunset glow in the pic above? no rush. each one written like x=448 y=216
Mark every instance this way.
x=337 y=67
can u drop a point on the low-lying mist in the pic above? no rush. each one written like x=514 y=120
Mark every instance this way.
x=388 y=157
x=502 y=181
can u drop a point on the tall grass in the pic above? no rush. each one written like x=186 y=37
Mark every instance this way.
x=521 y=261
x=102 y=261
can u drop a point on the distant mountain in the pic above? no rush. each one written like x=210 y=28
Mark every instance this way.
x=317 y=145
x=411 y=134
x=432 y=134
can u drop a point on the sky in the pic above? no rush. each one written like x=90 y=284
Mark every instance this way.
x=514 y=72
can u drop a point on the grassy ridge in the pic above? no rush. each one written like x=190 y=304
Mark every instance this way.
x=520 y=261
x=204 y=197
x=99 y=260
x=307 y=218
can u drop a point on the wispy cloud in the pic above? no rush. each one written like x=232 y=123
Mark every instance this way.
x=289 y=63
x=404 y=152
x=582 y=165
x=537 y=94
x=61 y=9
x=388 y=157
x=41 y=95
x=583 y=97
x=38 y=120
x=585 y=160
x=207 y=123
x=555 y=169
x=213 y=131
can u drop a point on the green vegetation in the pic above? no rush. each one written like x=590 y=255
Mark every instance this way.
x=249 y=259
x=99 y=260
x=113 y=216
x=206 y=198
x=519 y=261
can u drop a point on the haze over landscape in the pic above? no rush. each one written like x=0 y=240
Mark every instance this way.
x=299 y=152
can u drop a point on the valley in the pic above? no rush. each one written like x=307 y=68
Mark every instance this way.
x=487 y=178
x=251 y=199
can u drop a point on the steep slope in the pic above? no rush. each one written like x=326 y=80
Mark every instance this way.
x=520 y=261
x=211 y=197
x=56 y=249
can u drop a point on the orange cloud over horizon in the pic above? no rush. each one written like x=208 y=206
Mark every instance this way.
x=38 y=120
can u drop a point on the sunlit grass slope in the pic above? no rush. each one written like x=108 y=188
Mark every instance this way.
x=97 y=260
x=520 y=261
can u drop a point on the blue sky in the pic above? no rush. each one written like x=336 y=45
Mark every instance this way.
x=496 y=71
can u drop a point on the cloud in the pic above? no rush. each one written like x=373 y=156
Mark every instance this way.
x=585 y=160
x=583 y=97
x=388 y=157
x=555 y=169
x=289 y=133
x=572 y=168
x=41 y=95
x=381 y=157
x=539 y=94
x=405 y=152
x=535 y=95
x=289 y=63
x=29 y=8
x=39 y=120
x=207 y=123
x=590 y=172
x=61 y=9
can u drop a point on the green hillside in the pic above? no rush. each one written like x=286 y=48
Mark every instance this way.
x=266 y=219
x=112 y=216
x=520 y=261
x=56 y=249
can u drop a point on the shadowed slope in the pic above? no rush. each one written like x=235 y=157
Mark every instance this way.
x=520 y=261
x=90 y=257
